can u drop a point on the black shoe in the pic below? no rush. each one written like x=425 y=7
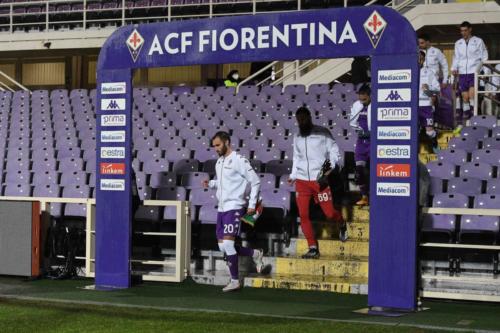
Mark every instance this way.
x=343 y=236
x=313 y=253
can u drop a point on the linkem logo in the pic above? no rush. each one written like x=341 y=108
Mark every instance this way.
x=393 y=189
x=393 y=170
x=112 y=168
x=394 y=95
x=113 y=104
x=111 y=88
x=112 y=152
x=112 y=184
x=393 y=133
x=393 y=114
x=393 y=151
x=394 y=76
x=112 y=136
x=113 y=120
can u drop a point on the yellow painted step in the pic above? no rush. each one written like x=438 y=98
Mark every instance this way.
x=356 y=214
x=325 y=266
x=309 y=282
x=356 y=231
x=335 y=248
x=426 y=158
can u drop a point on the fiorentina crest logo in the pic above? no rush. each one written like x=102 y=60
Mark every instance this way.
x=374 y=27
x=134 y=44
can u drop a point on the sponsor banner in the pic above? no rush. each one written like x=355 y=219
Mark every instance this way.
x=393 y=151
x=394 y=76
x=393 y=189
x=112 y=152
x=394 y=95
x=113 y=104
x=112 y=168
x=393 y=170
x=108 y=120
x=110 y=88
x=112 y=184
x=393 y=114
x=393 y=133
x=112 y=136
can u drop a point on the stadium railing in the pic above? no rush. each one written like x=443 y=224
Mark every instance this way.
x=490 y=87
x=182 y=235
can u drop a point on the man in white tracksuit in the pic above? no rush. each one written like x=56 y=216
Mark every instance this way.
x=311 y=147
x=434 y=58
x=470 y=51
x=429 y=86
x=233 y=173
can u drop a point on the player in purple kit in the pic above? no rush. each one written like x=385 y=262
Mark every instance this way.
x=233 y=174
x=360 y=121
x=429 y=87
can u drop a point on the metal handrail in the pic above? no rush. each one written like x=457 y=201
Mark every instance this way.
x=477 y=77
x=13 y=81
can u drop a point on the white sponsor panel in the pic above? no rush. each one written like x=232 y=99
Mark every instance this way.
x=393 y=151
x=113 y=104
x=394 y=95
x=113 y=152
x=393 y=132
x=112 y=136
x=112 y=184
x=108 y=120
x=110 y=88
x=394 y=76
x=393 y=189
x=393 y=114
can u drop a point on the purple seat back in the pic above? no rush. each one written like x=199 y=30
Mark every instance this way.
x=432 y=222
x=477 y=133
x=192 y=180
x=477 y=223
x=484 y=120
x=489 y=201
x=441 y=169
x=466 y=143
x=450 y=200
x=467 y=186
x=453 y=156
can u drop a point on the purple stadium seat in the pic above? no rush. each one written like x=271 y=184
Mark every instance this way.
x=208 y=214
x=162 y=179
x=295 y=89
x=17 y=190
x=70 y=164
x=202 y=196
x=155 y=165
x=17 y=177
x=484 y=120
x=204 y=154
x=181 y=90
x=440 y=169
x=145 y=193
x=73 y=178
x=487 y=201
x=266 y=155
x=203 y=90
x=192 y=180
x=171 y=193
x=174 y=154
x=319 y=89
x=248 y=90
x=76 y=191
x=439 y=224
x=495 y=132
x=46 y=177
x=478 y=170
x=40 y=153
x=284 y=185
x=273 y=132
x=477 y=225
x=256 y=143
x=346 y=143
x=186 y=165
x=477 y=133
x=276 y=198
x=436 y=186
x=169 y=143
x=450 y=200
x=452 y=156
x=267 y=181
x=279 y=167
x=64 y=152
x=149 y=154
x=140 y=179
x=282 y=142
x=467 y=186
x=465 y=143
x=225 y=91
x=271 y=91
x=197 y=142
x=491 y=143
x=493 y=186
x=188 y=132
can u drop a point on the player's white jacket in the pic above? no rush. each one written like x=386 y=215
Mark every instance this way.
x=233 y=174
x=468 y=56
x=435 y=60
x=428 y=77
x=311 y=151
x=356 y=109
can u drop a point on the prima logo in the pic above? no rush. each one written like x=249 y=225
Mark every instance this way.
x=112 y=184
x=394 y=95
x=374 y=27
x=393 y=133
x=393 y=114
x=393 y=151
x=110 y=88
x=113 y=152
x=113 y=120
x=112 y=136
x=393 y=189
x=394 y=76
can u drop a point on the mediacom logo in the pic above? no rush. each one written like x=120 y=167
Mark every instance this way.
x=110 y=88
x=393 y=189
x=113 y=120
x=393 y=133
x=112 y=168
x=393 y=170
x=393 y=114
x=112 y=184
x=112 y=152
x=394 y=76
x=112 y=136
x=393 y=151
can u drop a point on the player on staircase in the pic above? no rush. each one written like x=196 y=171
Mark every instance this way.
x=311 y=147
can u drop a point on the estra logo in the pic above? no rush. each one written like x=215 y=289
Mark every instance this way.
x=393 y=170
x=112 y=152
x=393 y=151
x=112 y=168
